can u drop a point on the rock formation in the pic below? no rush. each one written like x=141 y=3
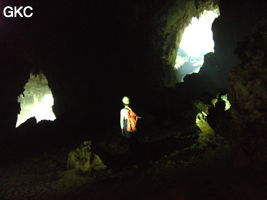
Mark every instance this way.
x=244 y=125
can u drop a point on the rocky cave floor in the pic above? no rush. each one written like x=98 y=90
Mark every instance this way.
x=168 y=165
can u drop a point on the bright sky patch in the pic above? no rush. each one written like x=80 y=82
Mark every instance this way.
x=36 y=101
x=197 y=41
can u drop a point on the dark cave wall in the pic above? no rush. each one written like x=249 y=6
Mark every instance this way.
x=243 y=126
x=248 y=96
x=237 y=20
x=14 y=73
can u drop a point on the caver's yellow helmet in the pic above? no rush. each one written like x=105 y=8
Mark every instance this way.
x=126 y=100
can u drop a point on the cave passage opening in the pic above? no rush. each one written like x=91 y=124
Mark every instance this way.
x=36 y=101
x=197 y=40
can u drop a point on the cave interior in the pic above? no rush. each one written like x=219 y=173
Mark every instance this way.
x=201 y=135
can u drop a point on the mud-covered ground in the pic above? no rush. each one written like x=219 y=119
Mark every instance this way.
x=167 y=165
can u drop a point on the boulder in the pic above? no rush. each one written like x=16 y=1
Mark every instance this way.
x=84 y=160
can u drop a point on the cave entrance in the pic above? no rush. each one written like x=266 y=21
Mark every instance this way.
x=36 y=101
x=196 y=41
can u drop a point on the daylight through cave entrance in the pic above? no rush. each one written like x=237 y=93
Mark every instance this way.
x=36 y=101
x=197 y=41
